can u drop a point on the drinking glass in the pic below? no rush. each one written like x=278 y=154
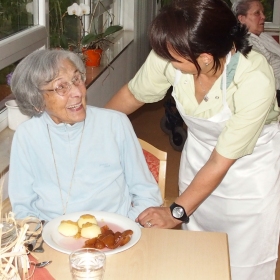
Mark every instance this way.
x=8 y=232
x=87 y=263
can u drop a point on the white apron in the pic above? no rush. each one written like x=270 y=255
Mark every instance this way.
x=246 y=204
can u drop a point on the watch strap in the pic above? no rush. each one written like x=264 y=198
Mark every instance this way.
x=185 y=218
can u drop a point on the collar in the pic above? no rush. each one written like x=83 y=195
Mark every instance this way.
x=61 y=126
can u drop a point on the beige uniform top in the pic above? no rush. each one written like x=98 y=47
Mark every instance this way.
x=250 y=96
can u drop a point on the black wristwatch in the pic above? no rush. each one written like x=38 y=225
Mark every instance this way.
x=178 y=212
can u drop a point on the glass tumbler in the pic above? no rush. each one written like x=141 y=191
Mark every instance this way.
x=87 y=263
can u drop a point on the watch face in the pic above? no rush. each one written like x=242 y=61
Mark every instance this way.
x=178 y=212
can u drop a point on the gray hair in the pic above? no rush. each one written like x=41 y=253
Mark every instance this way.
x=241 y=7
x=36 y=70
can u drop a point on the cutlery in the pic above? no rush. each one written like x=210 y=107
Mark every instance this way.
x=41 y=264
x=30 y=246
x=36 y=228
x=40 y=248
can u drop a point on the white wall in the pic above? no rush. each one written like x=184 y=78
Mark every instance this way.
x=107 y=84
x=131 y=59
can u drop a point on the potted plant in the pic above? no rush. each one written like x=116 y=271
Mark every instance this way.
x=95 y=43
x=87 y=42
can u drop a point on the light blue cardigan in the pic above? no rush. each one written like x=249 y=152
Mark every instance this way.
x=111 y=173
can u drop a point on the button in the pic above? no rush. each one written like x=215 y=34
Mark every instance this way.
x=206 y=98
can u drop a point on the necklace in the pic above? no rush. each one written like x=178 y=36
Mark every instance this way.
x=73 y=173
x=205 y=98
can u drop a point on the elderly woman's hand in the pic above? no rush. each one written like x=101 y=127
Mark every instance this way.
x=158 y=217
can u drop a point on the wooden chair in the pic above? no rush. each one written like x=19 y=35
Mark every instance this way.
x=6 y=206
x=156 y=160
x=276 y=37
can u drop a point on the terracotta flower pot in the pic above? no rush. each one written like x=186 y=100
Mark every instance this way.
x=93 y=57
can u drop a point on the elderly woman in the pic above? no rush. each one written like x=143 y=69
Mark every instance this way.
x=69 y=156
x=251 y=14
x=229 y=172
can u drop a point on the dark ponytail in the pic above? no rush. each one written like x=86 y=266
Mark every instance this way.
x=240 y=37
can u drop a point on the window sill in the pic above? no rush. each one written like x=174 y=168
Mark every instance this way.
x=120 y=43
x=272 y=28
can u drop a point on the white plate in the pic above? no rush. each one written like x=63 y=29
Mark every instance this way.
x=68 y=244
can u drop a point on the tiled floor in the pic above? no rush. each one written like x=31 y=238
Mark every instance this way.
x=146 y=124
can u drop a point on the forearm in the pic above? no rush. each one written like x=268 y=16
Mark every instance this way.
x=205 y=182
x=124 y=101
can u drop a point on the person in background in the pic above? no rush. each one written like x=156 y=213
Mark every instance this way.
x=69 y=156
x=230 y=165
x=251 y=14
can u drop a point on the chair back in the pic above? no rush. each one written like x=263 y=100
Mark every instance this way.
x=5 y=205
x=156 y=160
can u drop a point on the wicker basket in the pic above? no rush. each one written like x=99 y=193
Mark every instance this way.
x=14 y=261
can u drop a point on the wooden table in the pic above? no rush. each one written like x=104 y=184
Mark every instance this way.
x=159 y=254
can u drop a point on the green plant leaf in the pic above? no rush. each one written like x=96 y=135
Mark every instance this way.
x=63 y=41
x=112 y=29
x=92 y=38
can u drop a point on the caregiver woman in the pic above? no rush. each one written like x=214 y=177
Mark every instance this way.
x=229 y=172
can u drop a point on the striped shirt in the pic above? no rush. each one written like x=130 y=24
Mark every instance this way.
x=268 y=47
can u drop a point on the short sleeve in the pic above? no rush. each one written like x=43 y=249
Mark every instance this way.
x=253 y=98
x=150 y=83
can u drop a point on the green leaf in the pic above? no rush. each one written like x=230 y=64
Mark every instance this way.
x=112 y=29
x=63 y=41
x=90 y=38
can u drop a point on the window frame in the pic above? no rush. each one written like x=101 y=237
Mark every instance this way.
x=275 y=24
x=113 y=6
x=20 y=44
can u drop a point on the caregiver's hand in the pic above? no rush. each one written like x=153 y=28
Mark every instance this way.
x=158 y=217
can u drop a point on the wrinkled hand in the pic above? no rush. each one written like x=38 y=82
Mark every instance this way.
x=157 y=217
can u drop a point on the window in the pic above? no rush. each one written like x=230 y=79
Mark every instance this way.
x=63 y=29
x=22 y=31
x=15 y=16
x=272 y=13
x=5 y=91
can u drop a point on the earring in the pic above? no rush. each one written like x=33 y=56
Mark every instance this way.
x=206 y=63
x=37 y=110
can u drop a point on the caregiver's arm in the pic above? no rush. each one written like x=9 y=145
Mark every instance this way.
x=204 y=183
x=124 y=101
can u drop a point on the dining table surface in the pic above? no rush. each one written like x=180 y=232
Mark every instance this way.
x=159 y=254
